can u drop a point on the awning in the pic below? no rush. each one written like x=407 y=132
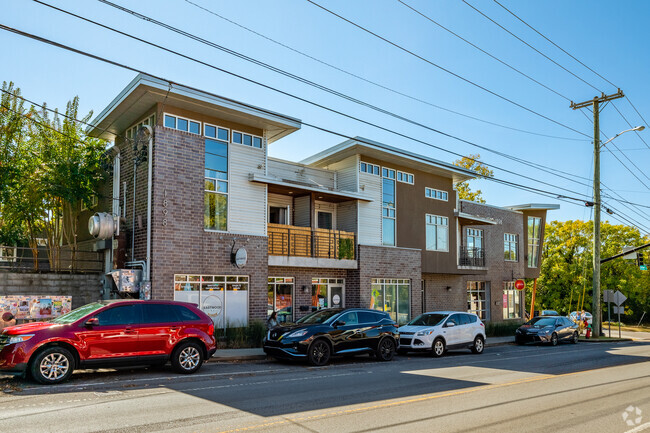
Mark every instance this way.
x=288 y=187
x=467 y=219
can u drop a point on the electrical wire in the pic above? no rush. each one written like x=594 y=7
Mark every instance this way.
x=374 y=83
x=446 y=70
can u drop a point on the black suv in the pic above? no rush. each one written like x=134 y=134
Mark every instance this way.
x=326 y=333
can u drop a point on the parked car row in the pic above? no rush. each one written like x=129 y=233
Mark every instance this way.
x=124 y=333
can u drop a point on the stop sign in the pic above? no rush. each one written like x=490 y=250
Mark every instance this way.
x=520 y=285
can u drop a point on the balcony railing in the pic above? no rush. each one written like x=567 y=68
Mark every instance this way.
x=474 y=257
x=296 y=241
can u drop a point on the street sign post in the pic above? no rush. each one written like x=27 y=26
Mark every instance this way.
x=607 y=297
x=618 y=299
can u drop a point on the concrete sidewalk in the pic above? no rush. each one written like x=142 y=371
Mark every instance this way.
x=256 y=354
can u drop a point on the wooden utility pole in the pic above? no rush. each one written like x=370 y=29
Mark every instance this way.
x=595 y=103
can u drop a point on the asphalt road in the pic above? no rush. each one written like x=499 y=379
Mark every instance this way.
x=584 y=387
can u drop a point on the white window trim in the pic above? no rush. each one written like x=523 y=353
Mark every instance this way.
x=432 y=196
x=232 y=134
x=150 y=119
x=516 y=242
x=405 y=174
x=383 y=282
x=9 y=258
x=293 y=293
x=486 y=301
x=437 y=225
x=227 y=194
x=217 y=128
x=188 y=124
x=370 y=164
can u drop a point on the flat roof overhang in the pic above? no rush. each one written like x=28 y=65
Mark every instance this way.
x=533 y=206
x=281 y=186
x=145 y=91
x=376 y=150
x=474 y=220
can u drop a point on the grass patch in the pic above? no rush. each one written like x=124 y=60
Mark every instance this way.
x=624 y=327
x=250 y=336
x=501 y=329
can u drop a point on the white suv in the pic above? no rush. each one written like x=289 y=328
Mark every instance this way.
x=439 y=331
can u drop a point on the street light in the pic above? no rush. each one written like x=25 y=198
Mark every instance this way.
x=596 y=313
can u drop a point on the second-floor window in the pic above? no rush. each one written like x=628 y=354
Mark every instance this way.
x=388 y=211
x=436 y=194
x=437 y=233
x=510 y=246
x=216 y=185
x=534 y=233
x=474 y=240
x=182 y=124
x=366 y=167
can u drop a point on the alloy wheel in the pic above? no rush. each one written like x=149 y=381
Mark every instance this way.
x=54 y=366
x=438 y=348
x=189 y=358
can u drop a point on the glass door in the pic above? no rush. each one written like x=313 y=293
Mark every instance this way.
x=336 y=296
x=327 y=293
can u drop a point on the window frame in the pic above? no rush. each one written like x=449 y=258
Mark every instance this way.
x=508 y=240
x=434 y=218
x=243 y=134
x=216 y=183
x=382 y=283
x=389 y=212
x=368 y=165
x=506 y=308
x=482 y=287
x=533 y=247
x=410 y=178
x=189 y=122
x=432 y=193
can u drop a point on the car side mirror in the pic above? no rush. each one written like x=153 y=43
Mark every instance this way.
x=94 y=321
x=339 y=323
x=450 y=325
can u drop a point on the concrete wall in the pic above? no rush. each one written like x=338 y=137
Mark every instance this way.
x=84 y=288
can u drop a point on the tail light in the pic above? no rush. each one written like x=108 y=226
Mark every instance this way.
x=211 y=328
x=482 y=324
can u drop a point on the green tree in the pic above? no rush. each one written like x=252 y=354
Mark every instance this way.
x=566 y=272
x=473 y=163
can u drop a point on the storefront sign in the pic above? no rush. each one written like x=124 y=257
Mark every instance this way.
x=240 y=257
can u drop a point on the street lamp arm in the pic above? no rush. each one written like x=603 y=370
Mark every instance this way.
x=636 y=128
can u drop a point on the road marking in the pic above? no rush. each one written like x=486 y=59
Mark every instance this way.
x=639 y=428
x=417 y=400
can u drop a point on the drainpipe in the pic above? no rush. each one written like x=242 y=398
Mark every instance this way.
x=149 y=184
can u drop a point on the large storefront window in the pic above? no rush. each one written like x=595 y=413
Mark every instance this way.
x=393 y=297
x=280 y=298
x=478 y=298
x=327 y=293
x=222 y=297
x=534 y=233
x=511 y=301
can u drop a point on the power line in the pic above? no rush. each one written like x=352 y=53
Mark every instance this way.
x=446 y=70
x=102 y=59
x=327 y=108
x=530 y=46
x=209 y=43
x=556 y=45
x=374 y=83
x=483 y=51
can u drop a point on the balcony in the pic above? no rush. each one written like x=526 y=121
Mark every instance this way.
x=471 y=257
x=307 y=247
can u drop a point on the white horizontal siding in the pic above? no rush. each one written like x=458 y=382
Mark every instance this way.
x=302 y=208
x=292 y=171
x=370 y=212
x=346 y=213
x=280 y=200
x=247 y=200
x=347 y=172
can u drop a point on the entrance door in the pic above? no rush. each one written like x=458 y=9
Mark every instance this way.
x=327 y=293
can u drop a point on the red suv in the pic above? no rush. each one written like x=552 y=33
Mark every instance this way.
x=109 y=334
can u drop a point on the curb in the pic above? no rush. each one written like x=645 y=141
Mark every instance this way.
x=613 y=340
x=238 y=358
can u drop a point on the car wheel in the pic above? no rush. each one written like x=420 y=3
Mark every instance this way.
x=479 y=345
x=386 y=349
x=52 y=365
x=319 y=353
x=187 y=358
x=438 y=348
x=575 y=338
x=554 y=339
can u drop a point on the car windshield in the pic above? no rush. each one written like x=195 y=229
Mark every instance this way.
x=542 y=321
x=321 y=316
x=77 y=314
x=428 y=319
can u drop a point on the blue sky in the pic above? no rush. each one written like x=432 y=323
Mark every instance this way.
x=616 y=49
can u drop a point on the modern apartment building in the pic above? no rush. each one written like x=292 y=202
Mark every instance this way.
x=360 y=224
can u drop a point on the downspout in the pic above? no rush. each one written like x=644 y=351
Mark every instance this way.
x=149 y=192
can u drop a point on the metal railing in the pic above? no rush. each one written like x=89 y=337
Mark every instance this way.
x=22 y=259
x=285 y=240
x=474 y=257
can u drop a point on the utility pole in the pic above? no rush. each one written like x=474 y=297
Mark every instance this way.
x=595 y=103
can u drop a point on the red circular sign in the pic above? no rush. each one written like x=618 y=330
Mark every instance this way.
x=520 y=285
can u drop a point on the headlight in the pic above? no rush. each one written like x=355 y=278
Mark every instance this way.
x=296 y=334
x=19 y=338
x=427 y=332
x=545 y=331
